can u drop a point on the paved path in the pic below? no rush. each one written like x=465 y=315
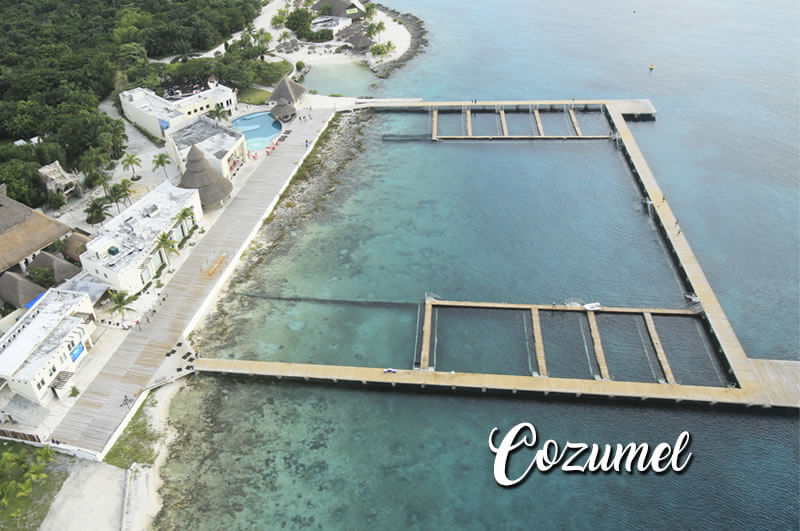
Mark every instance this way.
x=100 y=410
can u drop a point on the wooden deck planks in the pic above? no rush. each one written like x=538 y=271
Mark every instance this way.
x=425 y=352
x=538 y=118
x=469 y=122
x=538 y=342
x=503 y=122
x=598 y=346
x=575 y=122
x=494 y=382
x=435 y=125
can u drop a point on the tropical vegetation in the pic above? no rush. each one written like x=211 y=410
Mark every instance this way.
x=161 y=160
x=27 y=484
x=59 y=58
x=120 y=301
x=166 y=243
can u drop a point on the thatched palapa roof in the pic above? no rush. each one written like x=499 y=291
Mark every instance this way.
x=75 y=245
x=360 y=42
x=18 y=290
x=199 y=175
x=287 y=90
x=23 y=231
x=62 y=270
x=283 y=110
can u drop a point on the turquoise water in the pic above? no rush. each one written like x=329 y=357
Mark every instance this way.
x=523 y=223
x=348 y=79
x=259 y=129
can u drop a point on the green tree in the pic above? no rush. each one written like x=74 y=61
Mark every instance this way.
x=370 y=10
x=375 y=29
x=23 y=182
x=127 y=190
x=326 y=9
x=56 y=200
x=120 y=301
x=217 y=113
x=131 y=161
x=285 y=36
x=97 y=210
x=167 y=244
x=42 y=276
x=116 y=194
x=161 y=160
x=186 y=214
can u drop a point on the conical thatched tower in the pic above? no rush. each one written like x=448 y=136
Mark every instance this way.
x=200 y=176
x=288 y=90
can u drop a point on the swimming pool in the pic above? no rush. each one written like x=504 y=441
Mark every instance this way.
x=259 y=129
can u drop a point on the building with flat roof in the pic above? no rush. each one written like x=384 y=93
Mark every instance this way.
x=224 y=148
x=124 y=253
x=41 y=352
x=156 y=114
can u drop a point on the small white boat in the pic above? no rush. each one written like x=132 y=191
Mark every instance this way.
x=593 y=306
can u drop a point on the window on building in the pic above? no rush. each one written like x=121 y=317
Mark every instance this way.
x=105 y=275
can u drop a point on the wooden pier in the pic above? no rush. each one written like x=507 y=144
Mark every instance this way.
x=765 y=383
x=783 y=391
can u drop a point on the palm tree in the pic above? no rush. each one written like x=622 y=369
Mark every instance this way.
x=166 y=243
x=120 y=301
x=183 y=52
x=161 y=160
x=217 y=113
x=131 y=161
x=370 y=11
x=97 y=210
x=116 y=194
x=185 y=214
x=285 y=35
x=380 y=27
x=127 y=190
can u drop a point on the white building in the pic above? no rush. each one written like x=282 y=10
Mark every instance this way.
x=40 y=353
x=124 y=254
x=156 y=114
x=224 y=148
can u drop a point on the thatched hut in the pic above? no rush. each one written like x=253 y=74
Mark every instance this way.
x=283 y=110
x=199 y=175
x=17 y=290
x=288 y=90
x=62 y=270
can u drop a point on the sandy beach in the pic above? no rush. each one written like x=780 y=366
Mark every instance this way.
x=403 y=30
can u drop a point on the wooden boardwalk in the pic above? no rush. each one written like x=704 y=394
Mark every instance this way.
x=98 y=412
x=493 y=382
x=783 y=392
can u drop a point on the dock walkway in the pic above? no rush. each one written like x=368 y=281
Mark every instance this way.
x=95 y=417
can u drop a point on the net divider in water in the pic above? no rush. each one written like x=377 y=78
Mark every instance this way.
x=350 y=302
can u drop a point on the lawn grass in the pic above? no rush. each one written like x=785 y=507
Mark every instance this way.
x=30 y=511
x=135 y=445
x=254 y=96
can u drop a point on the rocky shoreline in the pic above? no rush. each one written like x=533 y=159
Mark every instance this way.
x=417 y=30
x=314 y=182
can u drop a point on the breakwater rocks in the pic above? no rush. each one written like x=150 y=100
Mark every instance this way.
x=417 y=30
